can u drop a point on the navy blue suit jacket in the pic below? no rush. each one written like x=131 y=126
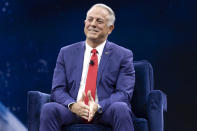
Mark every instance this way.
x=115 y=79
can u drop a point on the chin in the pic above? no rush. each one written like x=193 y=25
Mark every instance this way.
x=92 y=37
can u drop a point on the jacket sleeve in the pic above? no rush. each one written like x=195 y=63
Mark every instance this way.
x=125 y=83
x=59 y=91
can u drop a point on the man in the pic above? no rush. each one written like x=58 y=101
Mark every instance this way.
x=93 y=80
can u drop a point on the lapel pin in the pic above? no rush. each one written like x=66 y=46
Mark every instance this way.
x=106 y=53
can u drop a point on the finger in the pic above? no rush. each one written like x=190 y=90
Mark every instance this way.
x=90 y=117
x=83 y=96
x=84 y=106
x=85 y=111
x=91 y=114
x=90 y=96
x=84 y=117
x=82 y=112
x=85 y=114
x=93 y=109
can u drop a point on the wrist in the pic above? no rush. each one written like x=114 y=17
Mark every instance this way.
x=99 y=110
x=70 y=106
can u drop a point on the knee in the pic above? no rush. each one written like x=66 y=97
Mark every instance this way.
x=120 y=108
x=49 y=107
x=48 y=110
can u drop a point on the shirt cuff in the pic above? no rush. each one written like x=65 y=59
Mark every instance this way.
x=100 y=110
x=69 y=105
x=99 y=106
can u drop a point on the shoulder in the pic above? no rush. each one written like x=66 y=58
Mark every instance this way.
x=73 y=46
x=117 y=49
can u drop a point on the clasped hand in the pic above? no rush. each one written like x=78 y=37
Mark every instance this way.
x=86 y=112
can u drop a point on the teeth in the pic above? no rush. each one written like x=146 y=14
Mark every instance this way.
x=93 y=30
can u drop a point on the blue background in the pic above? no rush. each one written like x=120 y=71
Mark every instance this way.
x=163 y=32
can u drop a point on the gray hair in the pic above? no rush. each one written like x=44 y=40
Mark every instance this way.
x=111 y=17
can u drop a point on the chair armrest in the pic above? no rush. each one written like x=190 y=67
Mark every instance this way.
x=156 y=104
x=35 y=101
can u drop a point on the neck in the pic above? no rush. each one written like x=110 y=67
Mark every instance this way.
x=93 y=43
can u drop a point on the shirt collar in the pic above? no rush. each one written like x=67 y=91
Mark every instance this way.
x=99 y=48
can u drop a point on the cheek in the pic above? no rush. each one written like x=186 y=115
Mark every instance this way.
x=86 y=25
x=100 y=28
x=86 y=28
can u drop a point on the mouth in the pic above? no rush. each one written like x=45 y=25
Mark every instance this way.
x=93 y=30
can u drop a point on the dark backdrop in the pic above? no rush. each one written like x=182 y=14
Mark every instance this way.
x=163 y=32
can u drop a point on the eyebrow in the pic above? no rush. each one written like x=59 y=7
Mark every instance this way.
x=95 y=18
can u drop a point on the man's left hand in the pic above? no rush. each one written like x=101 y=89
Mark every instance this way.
x=93 y=106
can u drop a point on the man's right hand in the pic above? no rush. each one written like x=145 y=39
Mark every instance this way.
x=80 y=108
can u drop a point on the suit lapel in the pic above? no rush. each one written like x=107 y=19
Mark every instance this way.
x=104 y=58
x=79 y=61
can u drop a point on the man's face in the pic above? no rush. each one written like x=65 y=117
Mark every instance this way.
x=96 y=29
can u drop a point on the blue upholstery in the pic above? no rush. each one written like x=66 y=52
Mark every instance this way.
x=147 y=104
x=86 y=127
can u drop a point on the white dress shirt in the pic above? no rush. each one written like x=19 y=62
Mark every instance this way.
x=86 y=61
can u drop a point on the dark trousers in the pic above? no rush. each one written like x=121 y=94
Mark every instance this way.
x=54 y=116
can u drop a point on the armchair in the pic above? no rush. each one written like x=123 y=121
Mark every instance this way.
x=147 y=104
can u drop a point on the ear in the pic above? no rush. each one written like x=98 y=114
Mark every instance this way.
x=111 y=27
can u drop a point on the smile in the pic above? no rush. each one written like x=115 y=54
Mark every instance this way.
x=93 y=30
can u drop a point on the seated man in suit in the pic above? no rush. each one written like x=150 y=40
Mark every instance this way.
x=93 y=80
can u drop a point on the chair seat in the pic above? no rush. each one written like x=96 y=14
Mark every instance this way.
x=140 y=124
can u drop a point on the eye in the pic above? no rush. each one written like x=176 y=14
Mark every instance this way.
x=89 y=19
x=100 y=21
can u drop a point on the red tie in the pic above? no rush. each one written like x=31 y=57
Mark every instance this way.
x=92 y=76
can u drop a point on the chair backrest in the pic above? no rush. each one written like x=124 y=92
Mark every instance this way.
x=35 y=101
x=143 y=85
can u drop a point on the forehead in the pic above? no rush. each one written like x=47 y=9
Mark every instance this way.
x=98 y=12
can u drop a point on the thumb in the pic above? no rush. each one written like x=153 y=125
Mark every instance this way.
x=83 y=96
x=90 y=96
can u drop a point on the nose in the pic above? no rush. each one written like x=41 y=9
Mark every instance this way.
x=93 y=23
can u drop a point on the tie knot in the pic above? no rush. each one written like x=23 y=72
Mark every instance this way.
x=94 y=51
